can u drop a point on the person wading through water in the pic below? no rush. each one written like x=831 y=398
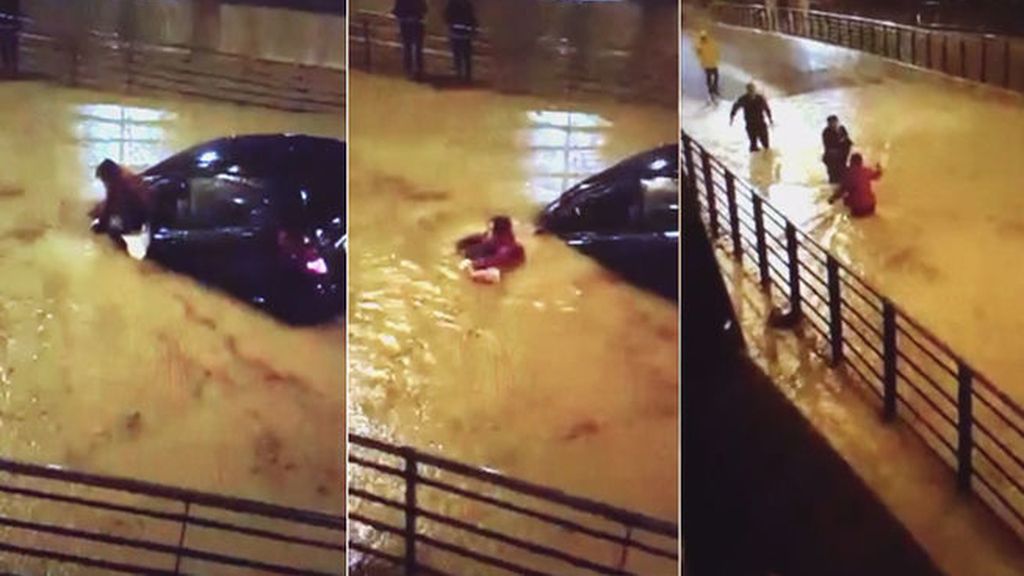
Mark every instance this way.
x=755 y=110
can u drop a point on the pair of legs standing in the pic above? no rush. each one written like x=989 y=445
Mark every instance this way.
x=711 y=75
x=462 y=56
x=757 y=133
x=412 y=47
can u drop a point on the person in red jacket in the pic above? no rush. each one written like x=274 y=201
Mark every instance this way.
x=856 y=187
x=496 y=249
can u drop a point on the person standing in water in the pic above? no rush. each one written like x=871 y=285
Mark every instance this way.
x=707 y=53
x=10 y=27
x=410 y=14
x=461 y=19
x=837 y=149
x=856 y=189
x=755 y=110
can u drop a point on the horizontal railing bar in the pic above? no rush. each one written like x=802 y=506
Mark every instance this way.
x=86 y=561
x=567 y=524
x=360 y=493
x=864 y=322
x=167 y=549
x=170 y=493
x=938 y=436
x=550 y=494
x=864 y=377
x=170 y=517
x=481 y=557
x=941 y=363
x=378 y=525
x=858 y=355
x=997 y=466
x=389 y=470
x=985 y=482
x=999 y=414
x=948 y=396
x=538 y=549
x=927 y=398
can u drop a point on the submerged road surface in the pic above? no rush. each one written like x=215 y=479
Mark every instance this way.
x=950 y=223
x=112 y=365
x=562 y=374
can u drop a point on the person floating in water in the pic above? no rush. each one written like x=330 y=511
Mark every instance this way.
x=837 y=149
x=856 y=187
x=490 y=253
x=755 y=109
x=707 y=53
x=410 y=14
x=125 y=209
x=461 y=19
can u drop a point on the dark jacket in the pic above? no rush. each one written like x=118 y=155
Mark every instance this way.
x=460 y=13
x=755 y=108
x=837 y=142
x=409 y=9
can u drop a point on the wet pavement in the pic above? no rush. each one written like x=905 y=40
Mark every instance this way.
x=948 y=222
x=562 y=374
x=115 y=366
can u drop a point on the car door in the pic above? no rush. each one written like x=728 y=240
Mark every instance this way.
x=213 y=221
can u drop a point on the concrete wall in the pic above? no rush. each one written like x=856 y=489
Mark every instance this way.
x=272 y=33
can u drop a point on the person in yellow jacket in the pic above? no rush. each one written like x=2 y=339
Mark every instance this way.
x=707 y=53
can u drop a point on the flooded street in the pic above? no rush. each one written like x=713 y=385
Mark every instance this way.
x=949 y=211
x=562 y=374
x=115 y=366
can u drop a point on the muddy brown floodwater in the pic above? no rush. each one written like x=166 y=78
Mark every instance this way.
x=112 y=365
x=562 y=374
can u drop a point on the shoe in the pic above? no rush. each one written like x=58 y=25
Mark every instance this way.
x=755 y=149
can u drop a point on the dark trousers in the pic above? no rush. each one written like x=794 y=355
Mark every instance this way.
x=711 y=74
x=462 y=57
x=835 y=164
x=412 y=47
x=9 y=52
x=757 y=133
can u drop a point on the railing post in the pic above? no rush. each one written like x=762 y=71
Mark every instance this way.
x=762 y=242
x=899 y=44
x=794 y=269
x=963 y=57
x=734 y=215
x=835 y=309
x=945 y=50
x=181 y=538
x=709 y=189
x=369 y=42
x=965 y=442
x=913 y=46
x=984 y=60
x=929 y=61
x=411 y=477
x=890 y=354
x=688 y=161
x=624 y=555
x=1006 y=61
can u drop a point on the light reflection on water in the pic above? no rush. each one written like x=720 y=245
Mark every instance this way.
x=561 y=374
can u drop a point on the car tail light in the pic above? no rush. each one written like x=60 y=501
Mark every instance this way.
x=299 y=248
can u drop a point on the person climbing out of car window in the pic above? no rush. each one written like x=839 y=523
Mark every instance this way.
x=126 y=206
x=490 y=253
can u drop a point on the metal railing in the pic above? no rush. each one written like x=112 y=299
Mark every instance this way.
x=986 y=58
x=424 y=511
x=51 y=516
x=974 y=427
x=375 y=45
x=108 y=62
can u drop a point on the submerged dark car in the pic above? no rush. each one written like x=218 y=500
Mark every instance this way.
x=627 y=218
x=261 y=217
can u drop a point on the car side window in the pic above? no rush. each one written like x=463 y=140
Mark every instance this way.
x=660 y=204
x=218 y=203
